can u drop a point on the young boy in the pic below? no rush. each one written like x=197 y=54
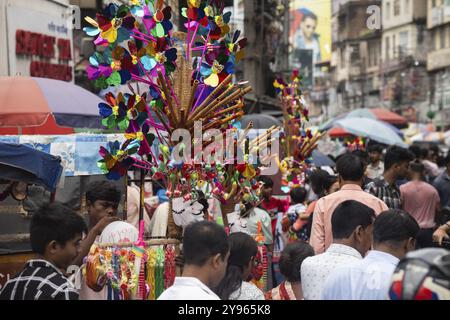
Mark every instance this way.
x=271 y=204
x=55 y=235
x=375 y=168
x=295 y=218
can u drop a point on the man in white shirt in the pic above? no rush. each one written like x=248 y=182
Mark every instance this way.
x=352 y=236
x=394 y=234
x=205 y=252
x=375 y=169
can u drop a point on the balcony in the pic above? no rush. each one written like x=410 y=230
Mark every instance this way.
x=438 y=16
x=438 y=59
x=392 y=65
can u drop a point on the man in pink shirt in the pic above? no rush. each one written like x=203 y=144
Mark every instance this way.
x=351 y=173
x=421 y=200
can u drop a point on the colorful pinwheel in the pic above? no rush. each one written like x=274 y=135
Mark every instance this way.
x=113 y=26
x=114 y=112
x=115 y=161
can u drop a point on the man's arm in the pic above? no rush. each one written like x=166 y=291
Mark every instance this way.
x=317 y=240
x=90 y=238
x=442 y=233
x=86 y=246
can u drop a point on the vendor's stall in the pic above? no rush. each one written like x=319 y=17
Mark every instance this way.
x=42 y=165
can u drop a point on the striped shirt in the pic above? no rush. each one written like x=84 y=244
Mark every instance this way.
x=390 y=195
x=39 y=280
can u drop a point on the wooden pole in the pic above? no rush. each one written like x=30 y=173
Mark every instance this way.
x=125 y=203
x=141 y=202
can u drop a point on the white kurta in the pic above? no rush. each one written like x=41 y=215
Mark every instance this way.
x=188 y=288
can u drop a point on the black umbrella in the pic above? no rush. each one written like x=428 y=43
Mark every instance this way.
x=260 y=121
x=321 y=160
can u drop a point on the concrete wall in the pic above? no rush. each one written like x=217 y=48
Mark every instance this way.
x=411 y=49
x=34 y=16
x=438 y=15
x=4 y=65
x=409 y=10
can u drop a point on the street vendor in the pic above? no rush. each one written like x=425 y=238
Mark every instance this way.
x=103 y=200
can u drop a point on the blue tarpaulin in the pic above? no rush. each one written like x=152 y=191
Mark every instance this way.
x=22 y=163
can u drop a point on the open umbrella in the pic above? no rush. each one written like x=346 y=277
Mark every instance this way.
x=319 y=159
x=330 y=122
x=372 y=129
x=373 y=113
x=30 y=102
x=260 y=121
x=337 y=132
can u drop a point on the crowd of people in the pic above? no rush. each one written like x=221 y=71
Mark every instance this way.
x=345 y=236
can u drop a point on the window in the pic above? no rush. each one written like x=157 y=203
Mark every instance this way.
x=448 y=36
x=403 y=42
x=433 y=3
x=374 y=53
x=343 y=58
x=442 y=34
x=354 y=52
x=396 y=7
x=387 y=48
x=433 y=40
x=421 y=33
x=407 y=6
x=394 y=48
x=388 y=11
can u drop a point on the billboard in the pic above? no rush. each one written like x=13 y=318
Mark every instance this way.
x=310 y=31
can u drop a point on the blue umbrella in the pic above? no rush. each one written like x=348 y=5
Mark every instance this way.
x=372 y=129
x=358 y=113
x=321 y=160
x=22 y=163
x=330 y=123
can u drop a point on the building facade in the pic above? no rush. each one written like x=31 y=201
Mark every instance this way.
x=438 y=60
x=355 y=59
x=405 y=85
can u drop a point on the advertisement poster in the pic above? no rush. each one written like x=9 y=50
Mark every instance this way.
x=310 y=34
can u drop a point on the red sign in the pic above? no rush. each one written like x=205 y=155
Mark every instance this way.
x=50 y=70
x=43 y=46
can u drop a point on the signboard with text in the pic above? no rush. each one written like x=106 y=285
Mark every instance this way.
x=40 y=44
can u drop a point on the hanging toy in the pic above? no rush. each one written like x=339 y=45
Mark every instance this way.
x=169 y=266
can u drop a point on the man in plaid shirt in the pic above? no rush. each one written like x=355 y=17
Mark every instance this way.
x=396 y=164
x=55 y=235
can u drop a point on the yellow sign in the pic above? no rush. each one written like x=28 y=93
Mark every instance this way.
x=311 y=28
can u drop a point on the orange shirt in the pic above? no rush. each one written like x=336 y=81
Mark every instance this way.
x=321 y=233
